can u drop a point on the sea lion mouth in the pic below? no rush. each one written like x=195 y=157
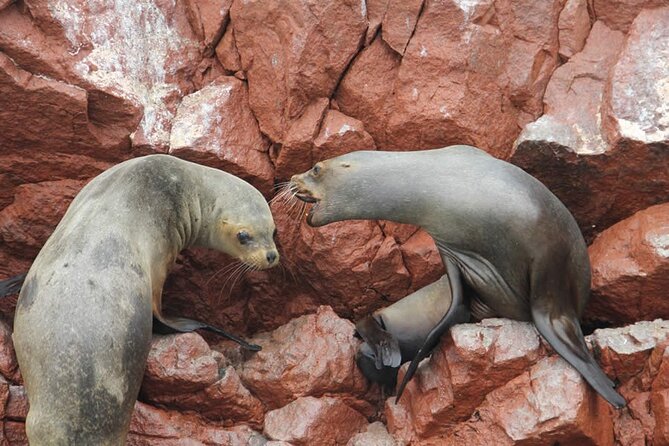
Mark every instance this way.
x=304 y=196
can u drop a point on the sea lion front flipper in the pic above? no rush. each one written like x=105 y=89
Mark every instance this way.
x=383 y=348
x=456 y=313
x=166 y=325
x=12 y=285
x=564 y=334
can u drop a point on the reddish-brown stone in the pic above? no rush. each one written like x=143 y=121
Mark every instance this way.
x=619 y=14
x=8 y=365
x=15 y=433
x=294 y=54
x=570 y=148
x=215 y=127
x=340 y=134
x=630 y=269
x=574 y=26
x=151 y=426
x=208 y=18
x=424 y=101
x=635 y=103
x=311 y=355
x=473 y=360
x=399 y=23
x=310 y=420
x=183 y=373
x=226 y=51
x=549 y=402
x=27 y=223
x=178 y=363
x=375 y=434
x=17 y=403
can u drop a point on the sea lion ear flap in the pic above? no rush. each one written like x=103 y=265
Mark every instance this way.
x=345 y=164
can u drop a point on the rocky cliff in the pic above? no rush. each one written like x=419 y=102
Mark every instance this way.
x=576 y=92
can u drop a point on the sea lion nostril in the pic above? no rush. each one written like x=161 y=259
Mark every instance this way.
x=271 y=257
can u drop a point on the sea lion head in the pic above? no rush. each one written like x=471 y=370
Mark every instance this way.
x=336 y=187
x=241 y=225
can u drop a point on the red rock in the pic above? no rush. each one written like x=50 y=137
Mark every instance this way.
x=422 y=259
x=636 y=100
x=26 y=224
x=226 y=51
x=352 y=263
x=399 y=23
x=574 y=27
x=67 y=121
x=294 y=54
x=215 y=127
x=4 y=396
x=150 y=74
x=473 y=360
x=311 y=355
x=151 y=426
x=660 y=406
x=310 y=420
x=5 y=3
x=15 y=433
x=575 y=161
x=340 y=134
x=17 y=403
x=296 y=154
x=630 y=269
x=550 y=402
x=376 y=10
x=178 y=363
x=424 y=101
x=375 y=434
x=208 y=18
x=183 y=373
x=622 y=352
x=619 y=14
x=9 y=368
x=366 y=86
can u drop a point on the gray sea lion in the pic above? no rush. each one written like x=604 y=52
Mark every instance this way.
x=499 y=231
x=82 y=327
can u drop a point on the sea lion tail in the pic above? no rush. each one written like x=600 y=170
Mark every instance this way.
x=12 y=285
x=565 y=336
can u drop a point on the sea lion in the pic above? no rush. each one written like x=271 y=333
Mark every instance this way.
x=500 y=232
x=82 y=328
x=400 y=329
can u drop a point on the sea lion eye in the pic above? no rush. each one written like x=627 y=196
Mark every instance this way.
x=243 y=237
x=316 y=169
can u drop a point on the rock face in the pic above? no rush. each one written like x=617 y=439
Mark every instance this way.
x=630 y=265
x=573 y=91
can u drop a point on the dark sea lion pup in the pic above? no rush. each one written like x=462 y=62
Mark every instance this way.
x=509 y=246
x=82 y=329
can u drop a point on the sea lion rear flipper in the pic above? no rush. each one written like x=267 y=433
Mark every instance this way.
x=565 y=336
x=383 y=347
x=457 y=312
x=12 y=285
x=164 y=325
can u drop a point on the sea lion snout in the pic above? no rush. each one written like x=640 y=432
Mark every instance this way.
x=272 y=258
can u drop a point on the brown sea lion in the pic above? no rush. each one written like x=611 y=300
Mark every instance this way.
x=83 y=320
x=500 y=232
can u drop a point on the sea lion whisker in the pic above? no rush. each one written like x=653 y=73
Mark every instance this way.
x=239 y=267
x=224 y=269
